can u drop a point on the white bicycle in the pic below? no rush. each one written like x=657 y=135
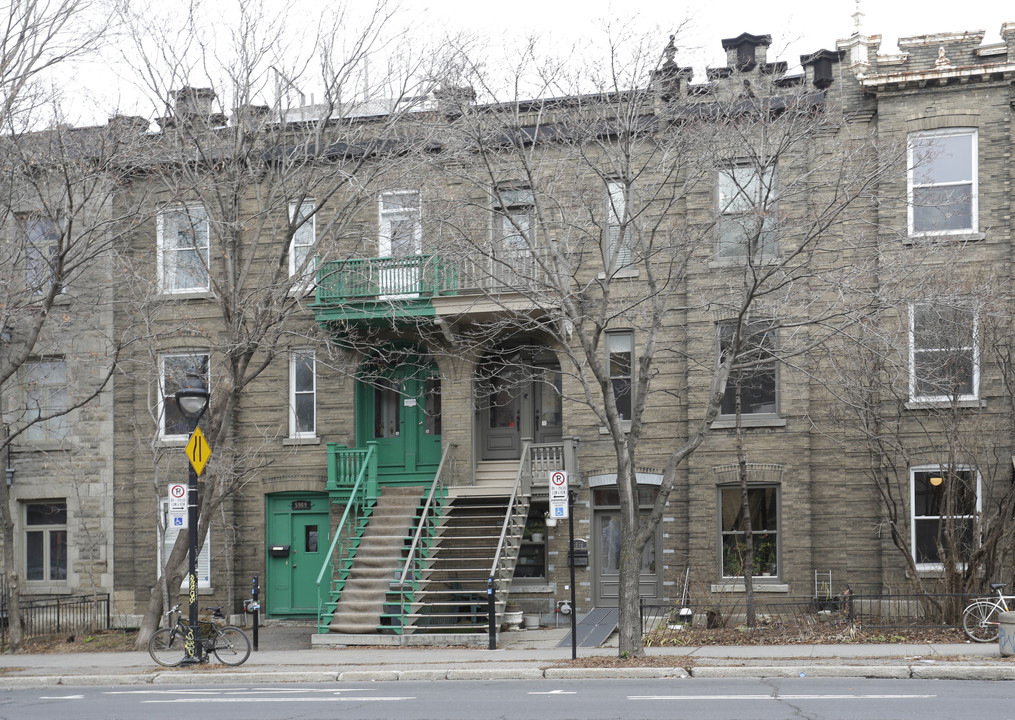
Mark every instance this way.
x=981 y=619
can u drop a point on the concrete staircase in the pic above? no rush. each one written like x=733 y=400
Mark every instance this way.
x=377 y=563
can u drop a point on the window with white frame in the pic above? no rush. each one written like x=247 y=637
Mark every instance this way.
x=619 y=231
x=620 y=349
x=42 y=244
x=943 y=182
x=945 y=502
x=747 y=212
x=756 y=378
x=170 y=530
x=45 y=541
x=46 y=400
x=513 y=228
x=304 y=237
x=401 y=233
x=173 y=370
x=183 y=250
x=763 y=505
x=302 y=394
x=943 y=353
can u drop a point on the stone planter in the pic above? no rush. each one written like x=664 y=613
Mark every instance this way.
x=1006 y=634
x=531 y=621
x=513 y=619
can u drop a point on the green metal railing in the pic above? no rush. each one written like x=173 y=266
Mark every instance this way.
x=353 y=469
x=422 y=543
x=392 y=278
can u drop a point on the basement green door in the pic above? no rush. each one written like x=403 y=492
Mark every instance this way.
x=297 y=543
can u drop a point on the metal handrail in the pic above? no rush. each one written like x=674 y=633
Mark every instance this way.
x=426 y=510
x=341 y=528
x=511 y=508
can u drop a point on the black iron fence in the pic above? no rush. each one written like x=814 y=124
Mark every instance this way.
x=42 y=616
x=872 y=611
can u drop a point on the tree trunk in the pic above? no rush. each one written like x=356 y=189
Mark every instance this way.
x=747 y=566
x=15 y=622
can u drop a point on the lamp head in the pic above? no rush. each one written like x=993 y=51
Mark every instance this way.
x=192 y=397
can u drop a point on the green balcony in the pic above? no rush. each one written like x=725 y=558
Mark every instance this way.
x=374 y=288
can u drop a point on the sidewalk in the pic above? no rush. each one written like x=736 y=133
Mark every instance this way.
x=285 y=655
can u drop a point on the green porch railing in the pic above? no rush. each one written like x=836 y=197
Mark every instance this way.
x=423 y=540
x=350 y=468
x=392 y=278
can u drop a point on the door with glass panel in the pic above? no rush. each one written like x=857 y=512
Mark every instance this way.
x=606 y=546
x=399 y=245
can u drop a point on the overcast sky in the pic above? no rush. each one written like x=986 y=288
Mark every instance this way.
x=797 y=27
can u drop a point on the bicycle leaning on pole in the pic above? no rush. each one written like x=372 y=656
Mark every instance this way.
x=230 y=645
x=981 y=618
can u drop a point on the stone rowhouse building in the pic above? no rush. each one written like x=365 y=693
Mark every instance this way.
x=432 y=348
x=57 y=352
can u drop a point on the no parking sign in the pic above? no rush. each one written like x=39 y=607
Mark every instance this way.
x=558 y=494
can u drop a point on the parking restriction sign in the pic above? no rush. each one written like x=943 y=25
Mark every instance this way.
x=558 y=494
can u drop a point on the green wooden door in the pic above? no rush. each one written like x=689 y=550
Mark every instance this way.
x=401 y=410
x=297 y=543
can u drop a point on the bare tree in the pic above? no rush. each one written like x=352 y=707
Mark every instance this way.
x=255 y=185
x=55 y=190
x=605 y=217
x=924 y=389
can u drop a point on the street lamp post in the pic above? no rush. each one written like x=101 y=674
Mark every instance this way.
x=192 y=400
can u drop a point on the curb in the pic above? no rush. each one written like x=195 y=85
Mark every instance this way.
x=888 y=672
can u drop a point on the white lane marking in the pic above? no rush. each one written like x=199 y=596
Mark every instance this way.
x=780 y=697
x=61 y=697
x=250 y=691
x=554 y=692
x=280 y=699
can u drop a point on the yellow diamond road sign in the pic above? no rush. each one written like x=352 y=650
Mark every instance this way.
x=198 y=450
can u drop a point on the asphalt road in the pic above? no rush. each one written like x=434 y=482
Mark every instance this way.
x=701 y=699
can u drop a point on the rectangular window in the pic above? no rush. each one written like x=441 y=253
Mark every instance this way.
x=401 y=233
x=302 y=394
x=943 y=354
x=943 y=182
x=46 y=541
x=42 y=245
x=763 y=503
x=169 y=539
x=620 y=346
x=755 y=378
x=304 y=238
x=183 y=250
x=513 y=235
x=45 y=397
x=174 y=368
x=945 y=503
x=619 y=253
x=747 y=212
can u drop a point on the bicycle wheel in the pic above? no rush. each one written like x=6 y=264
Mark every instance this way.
x=232 y=646
x=166 y=647
x=980 y=621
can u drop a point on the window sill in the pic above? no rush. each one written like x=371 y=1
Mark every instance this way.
x=938 y=404
x=186 y=295
x=42 y=446
x=300 y=441
x=624 y=273
x=749 y=421
x=532 y=586
x=761 y=585
x=173 y=442
x=38 y=587
x=956 y=236
x=741 y=260
x=625 y=425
